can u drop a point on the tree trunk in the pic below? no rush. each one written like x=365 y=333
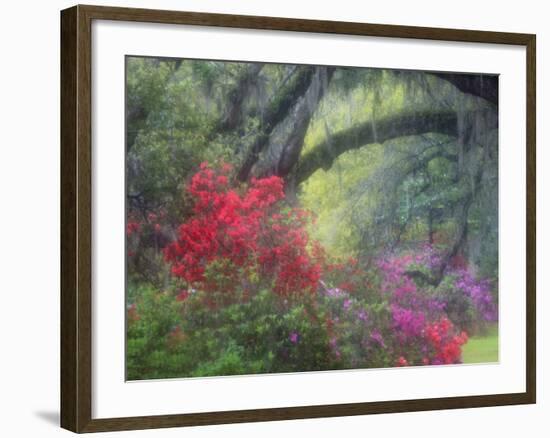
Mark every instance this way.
x=285 y=144
x=278 y=109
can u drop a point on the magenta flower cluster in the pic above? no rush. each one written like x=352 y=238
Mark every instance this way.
x=479 y=291
x=407 y=323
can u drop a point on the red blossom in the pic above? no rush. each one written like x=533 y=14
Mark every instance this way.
x=182 y=295
x=447 y=347
x=132 y=227
x=133 y=315
x=244 y=231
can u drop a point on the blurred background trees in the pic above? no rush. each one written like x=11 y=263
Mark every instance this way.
x=384 y=158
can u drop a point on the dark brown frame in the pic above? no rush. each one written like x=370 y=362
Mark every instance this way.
x=76 y=237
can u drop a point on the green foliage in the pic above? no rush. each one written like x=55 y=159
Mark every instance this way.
x=152 y=317
x=172 y=109
x=335 y=198
x=189 y=338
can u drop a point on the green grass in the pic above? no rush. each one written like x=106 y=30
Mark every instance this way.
x=482 y=349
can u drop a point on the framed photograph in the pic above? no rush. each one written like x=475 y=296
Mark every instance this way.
x=269 y=218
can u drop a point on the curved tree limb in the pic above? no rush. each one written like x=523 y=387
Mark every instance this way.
x=323 y=156
x=484 y=86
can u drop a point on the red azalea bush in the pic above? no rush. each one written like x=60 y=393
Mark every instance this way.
x=444 y=344
x=242 y=234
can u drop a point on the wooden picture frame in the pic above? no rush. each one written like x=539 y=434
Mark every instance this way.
x=76 y=218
